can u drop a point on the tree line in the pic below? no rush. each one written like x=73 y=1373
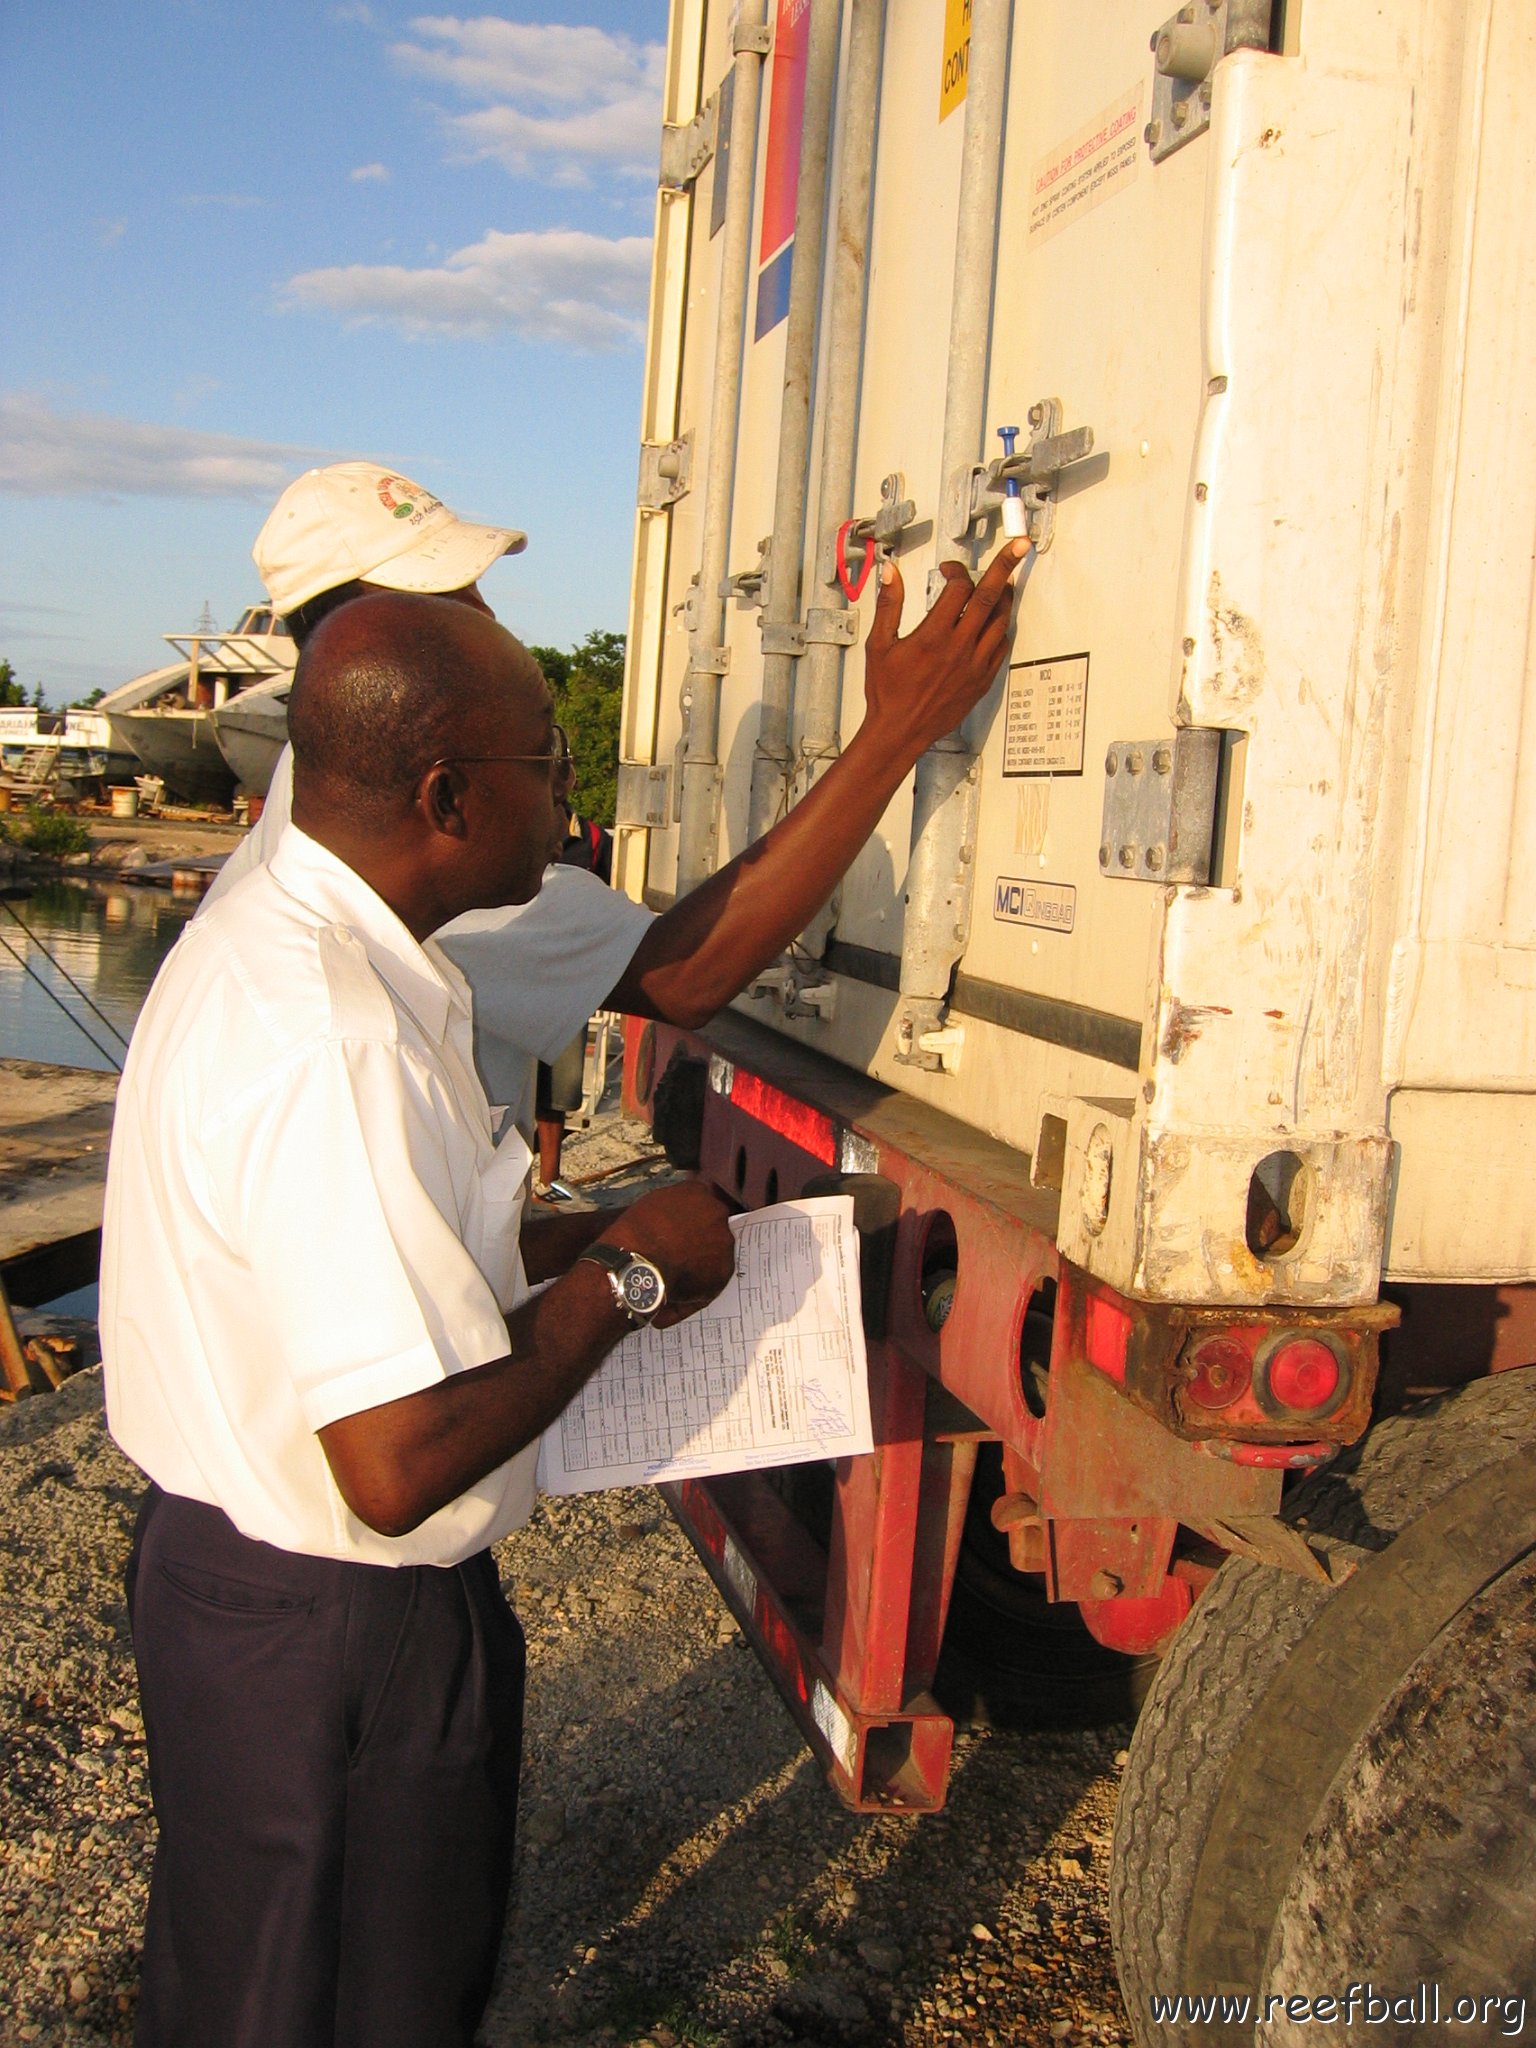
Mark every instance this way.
x=587 y=685
x=13 y=694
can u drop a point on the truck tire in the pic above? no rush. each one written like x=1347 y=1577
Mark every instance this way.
x=1274 y=1685
x=1420 y=1869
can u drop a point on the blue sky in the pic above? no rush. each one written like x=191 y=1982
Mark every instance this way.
x=238 y=240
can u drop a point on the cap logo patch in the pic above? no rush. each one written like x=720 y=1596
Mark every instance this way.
x=397 y=494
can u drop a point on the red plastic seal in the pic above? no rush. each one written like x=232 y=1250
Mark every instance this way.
x=853 y=587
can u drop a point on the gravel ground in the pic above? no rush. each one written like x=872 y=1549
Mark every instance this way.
x=685 y=1878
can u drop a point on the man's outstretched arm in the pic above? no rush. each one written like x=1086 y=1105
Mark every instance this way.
x=398 y=1463
x=710 y=944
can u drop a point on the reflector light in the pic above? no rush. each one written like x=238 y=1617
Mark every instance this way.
x=1224 y=1370
x=1303 y=1374
x=811 y=1129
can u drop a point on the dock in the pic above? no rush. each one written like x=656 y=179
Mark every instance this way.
x=54 y=1126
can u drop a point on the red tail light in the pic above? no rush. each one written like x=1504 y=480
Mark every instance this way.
x=1301 y=1375
x=1223 y=1369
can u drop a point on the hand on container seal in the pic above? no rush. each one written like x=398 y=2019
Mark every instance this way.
x=923 y=683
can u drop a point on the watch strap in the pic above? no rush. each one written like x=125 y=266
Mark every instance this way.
x=611 y=1257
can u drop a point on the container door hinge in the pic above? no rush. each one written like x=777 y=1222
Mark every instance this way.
x=816 y=999
x=936 y=1050
x=798 y=997
x=1160 y=807
x=705 y=661
x=686 y=147
x=826 y=624
x=644 y=799
x=709 y=661
x=1185 y=52
x=666 y=472
x=749 y=587
x=945 y=1045
x=976 y=492
x=770 y=984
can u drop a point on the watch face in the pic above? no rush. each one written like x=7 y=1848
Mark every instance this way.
x=643 y=1289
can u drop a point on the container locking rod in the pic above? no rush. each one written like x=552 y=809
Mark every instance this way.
x=1015 y=524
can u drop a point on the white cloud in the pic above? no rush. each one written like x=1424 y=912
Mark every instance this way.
x=370 y=174
x=45 y=454
x=195 y=389
x=567 y=102
x=17 y=629
x=583 y=291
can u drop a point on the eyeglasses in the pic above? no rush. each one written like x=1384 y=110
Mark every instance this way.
x=558 y=760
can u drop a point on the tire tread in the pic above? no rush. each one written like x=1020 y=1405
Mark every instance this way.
x=1224 y=1660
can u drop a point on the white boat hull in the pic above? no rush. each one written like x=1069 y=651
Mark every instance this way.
x=252 y=730
x=179 y=747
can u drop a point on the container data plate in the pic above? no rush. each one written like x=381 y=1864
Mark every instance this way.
x=1044 y=716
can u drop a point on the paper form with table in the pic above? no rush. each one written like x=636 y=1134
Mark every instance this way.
x=771 y=1373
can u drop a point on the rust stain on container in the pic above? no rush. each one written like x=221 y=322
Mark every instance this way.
x=1238 y=672
x=1185 y=1023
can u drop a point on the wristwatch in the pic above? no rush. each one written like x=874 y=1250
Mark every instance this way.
x=637 y=1284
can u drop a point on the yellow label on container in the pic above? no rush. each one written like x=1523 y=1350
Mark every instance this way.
x=957 y=56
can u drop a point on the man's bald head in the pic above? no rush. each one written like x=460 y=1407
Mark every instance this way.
x=391 y=683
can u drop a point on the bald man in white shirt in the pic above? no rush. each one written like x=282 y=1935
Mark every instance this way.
x=319 y=1346
x=313 y=1317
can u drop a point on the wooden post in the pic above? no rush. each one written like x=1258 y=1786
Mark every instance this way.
x=14 y=1376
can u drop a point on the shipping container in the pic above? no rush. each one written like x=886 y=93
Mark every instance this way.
x=1176 y=1032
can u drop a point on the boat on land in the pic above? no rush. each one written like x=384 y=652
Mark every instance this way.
x=252 y=730
x=166 y=716
x=41 y=748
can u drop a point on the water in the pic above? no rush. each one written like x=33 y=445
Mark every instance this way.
x=108 y=938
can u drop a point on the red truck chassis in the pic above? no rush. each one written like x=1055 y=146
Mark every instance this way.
x=1149 y=1442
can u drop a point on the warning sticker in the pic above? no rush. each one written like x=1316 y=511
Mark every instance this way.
x=956 y=75
x=740 y=1574
x=1086 y=169
x=835 y=1726
x=1049 y=906
x=1044 y=716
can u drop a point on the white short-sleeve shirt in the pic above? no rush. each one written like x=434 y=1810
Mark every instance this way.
x=307 y=1212
x=538 y=970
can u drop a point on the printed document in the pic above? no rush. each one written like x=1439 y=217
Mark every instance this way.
x=771 y=1373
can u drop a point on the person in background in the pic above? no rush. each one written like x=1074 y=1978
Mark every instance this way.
x=561 y=1086
x=538 y=970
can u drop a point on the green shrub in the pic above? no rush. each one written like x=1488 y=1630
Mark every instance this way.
x=51 y=833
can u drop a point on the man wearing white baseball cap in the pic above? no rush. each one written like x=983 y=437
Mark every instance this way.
x=539 y=970
x=334 y=535
x=358 y=523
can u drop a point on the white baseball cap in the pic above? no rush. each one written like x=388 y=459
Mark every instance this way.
x=355 y=521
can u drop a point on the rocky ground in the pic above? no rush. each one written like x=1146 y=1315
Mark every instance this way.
x=685 y=1878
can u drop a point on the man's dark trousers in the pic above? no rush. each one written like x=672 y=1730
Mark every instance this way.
x=333 y=1753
